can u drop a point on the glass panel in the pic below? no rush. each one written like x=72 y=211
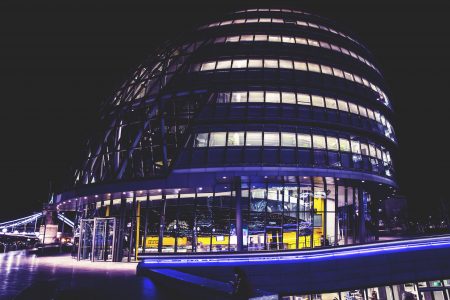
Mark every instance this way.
x=239 y=63
x=217 y=139
x=298 y=65
x=364 y=149
x=317 y=101
x=342 y=105
x=201 y=140
x=319 y=142
x=274 y=38
x=330 y=103
x=338 y=72
x=271 y=139
x=332 y=143
x=254 y=139
x=208 y=66
x=288 y=139
x=303 y=99
x=355 y=147
x=344 y=144
x=256 y=97
x=353 y=108
x=273 y=97
x=224 y=64
x=239 y=97
x=313 y=67
x=255 y=63
x=327 y=70
x=304 y=140
x=236 y=138
x=285 y=64
x=271 y=63
x=362 y=111
x=260 y=37
x=288 y=98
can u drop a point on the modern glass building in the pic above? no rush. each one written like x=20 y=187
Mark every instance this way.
x=269 y=129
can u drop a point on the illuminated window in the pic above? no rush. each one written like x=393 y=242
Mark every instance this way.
x=364 y=149
x=208 y=66
x=273 y=97
x=319 y=142
x=223 y=97
x=277 y=21
x=252 y=21
x=298 y=65
x=313 y=67
x=232 y=39
x=285 y=64
x=304 y=140
x=324 y=45
x=327 y=70
x=313 y=43
x=370 y=114
x=274 y=38
x=260 y=38
x=271 y=139
x=379 y=154
x=332 y=143
x=348 y=76
x=253 y=139
x=372 y=150
x=255 y=63
x=330 y=103
x=217 y=139
x=338 y=73
x=288 y=139
x=239 y=97
x=342 y=105
x=335 y=48
x=239 y=63
x=256 y=97
x=201 y=140
x=264 y=20
x=239 y=21
x=377 y=117
x=317 y=101
x=270 y=63
x=303 y=99
x=288 y=39
x=224 y=64
x=353 y=108
x=358 y=79
x=355 y=147
x=236 y=138
x=344 y=144
x=288 y=98
x=302 y=41
x=362 y=111
x=246 y=38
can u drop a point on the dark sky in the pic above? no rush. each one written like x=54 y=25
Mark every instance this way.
x=58 y=62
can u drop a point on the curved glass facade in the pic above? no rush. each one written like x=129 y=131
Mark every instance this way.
x=269 y=130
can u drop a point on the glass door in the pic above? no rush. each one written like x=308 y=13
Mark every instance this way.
x=103 y=239
x=86 y=238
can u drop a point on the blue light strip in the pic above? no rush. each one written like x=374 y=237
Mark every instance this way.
x=311 y=255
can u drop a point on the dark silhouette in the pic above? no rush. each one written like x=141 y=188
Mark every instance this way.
x=241 y=285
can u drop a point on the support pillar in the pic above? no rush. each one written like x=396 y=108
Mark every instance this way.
x=239 y=232
x=362 y=209
x=162 y=221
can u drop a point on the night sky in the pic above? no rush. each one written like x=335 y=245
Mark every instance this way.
x=59 y=62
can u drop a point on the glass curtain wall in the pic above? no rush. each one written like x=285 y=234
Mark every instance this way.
x=302 y=212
